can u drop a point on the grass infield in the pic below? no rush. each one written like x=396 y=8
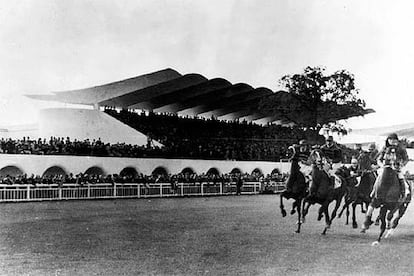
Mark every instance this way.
x=228 y=235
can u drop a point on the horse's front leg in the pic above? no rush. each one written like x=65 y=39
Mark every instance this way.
x=354 y=222
x=362 y=208
x=345 y=207
x=401 y=212
x=347 y=215
x=294 y=204
x=327 y=220
x=390 y=216
x=383 y=213
x=298 y=208
x=337 y=204
x=282 y=207
x=305 y=209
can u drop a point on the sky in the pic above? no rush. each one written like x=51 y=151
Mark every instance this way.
x=60 y=45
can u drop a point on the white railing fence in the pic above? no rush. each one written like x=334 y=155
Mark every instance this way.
x=40 y=192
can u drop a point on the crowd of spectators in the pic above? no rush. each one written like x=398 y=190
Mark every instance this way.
x=65 y=146
x=182 y=137
x=85 y=179
x=192 y=137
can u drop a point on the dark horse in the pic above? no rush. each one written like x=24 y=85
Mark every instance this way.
x=387 y=198
x=326 y=191
x=358 y=193
x=296 y=188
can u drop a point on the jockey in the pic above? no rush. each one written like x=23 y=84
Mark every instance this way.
x=360 y=164
x=332 y=154
x=365 y=163
x=354 y=168
x=395 y=155
x=331 y=151
x=303 y=156
x=373 y=155
x=303 y=151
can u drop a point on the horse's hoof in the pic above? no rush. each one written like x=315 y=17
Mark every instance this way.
x=284 y=213
x=297 y=231
x=363 y=211
x=363 y=231
x=320 y=217
x=376 y=223
x=354 y=225
x=303 y=220
x=375 y=243
x=292 y=212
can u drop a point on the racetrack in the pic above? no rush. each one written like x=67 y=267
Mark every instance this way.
x=229 y=235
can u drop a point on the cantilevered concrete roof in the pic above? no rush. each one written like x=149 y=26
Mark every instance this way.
x=169 y=91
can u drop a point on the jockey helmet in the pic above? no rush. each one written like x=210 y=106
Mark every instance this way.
x=393 y=136
x=330 y=138
x=371 y=146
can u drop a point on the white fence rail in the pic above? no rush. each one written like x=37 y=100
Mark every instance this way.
x=41 y=192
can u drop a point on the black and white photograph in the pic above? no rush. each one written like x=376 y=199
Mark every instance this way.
x=219 y=137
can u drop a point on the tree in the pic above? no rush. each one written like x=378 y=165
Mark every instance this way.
x=314 y=99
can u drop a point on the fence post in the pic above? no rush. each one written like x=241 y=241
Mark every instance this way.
x=114 y=189
x=60 y=192
x=160 y=189
x=182 y=189
x=221 y=188
x=139 y=191
x=28 y=192
x=89 y=191
x=202 y=189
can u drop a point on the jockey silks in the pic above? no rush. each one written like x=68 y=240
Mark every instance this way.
x=332 y=152
x=394 y=156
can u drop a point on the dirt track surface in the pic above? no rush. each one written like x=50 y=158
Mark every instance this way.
x=244 y=235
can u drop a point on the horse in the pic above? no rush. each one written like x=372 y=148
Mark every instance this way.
x=296 y=188
x=387 y=198
x=358 y=193
x=325 y=190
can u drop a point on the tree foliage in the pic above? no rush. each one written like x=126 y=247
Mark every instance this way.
x=316 y=98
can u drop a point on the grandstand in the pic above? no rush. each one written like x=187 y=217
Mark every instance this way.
x=165 y=91
x=158 y=120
